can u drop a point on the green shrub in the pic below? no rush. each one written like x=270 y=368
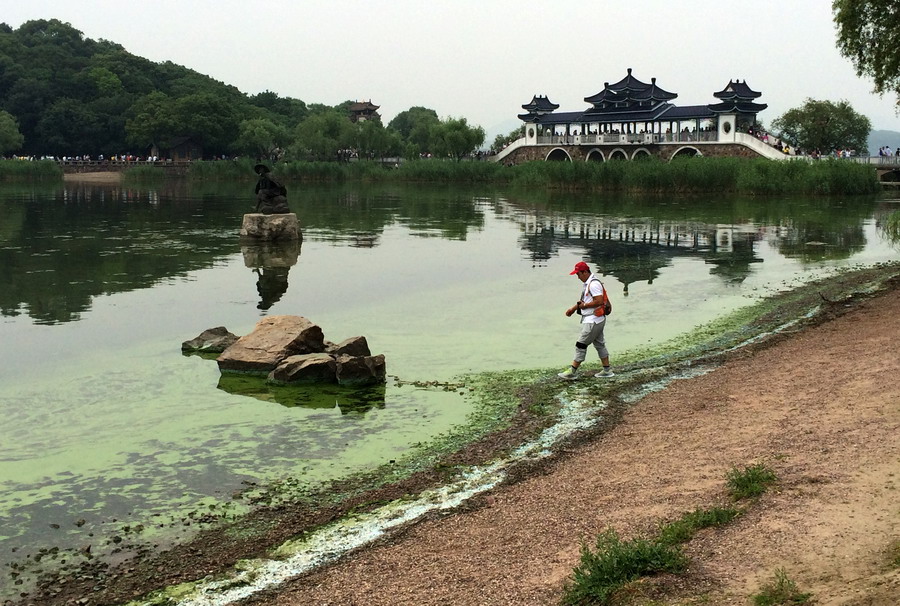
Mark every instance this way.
x=782 y=591
x=683 y=529
x=614 y=563
x=750 y=482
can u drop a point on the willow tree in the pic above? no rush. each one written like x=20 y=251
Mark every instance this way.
x=869 y=35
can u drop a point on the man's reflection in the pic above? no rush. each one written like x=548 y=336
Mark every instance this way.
x=271 y=284
x=271 y=262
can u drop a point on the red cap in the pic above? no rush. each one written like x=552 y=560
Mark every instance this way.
x=580 y=266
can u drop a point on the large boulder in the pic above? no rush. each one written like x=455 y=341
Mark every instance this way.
x=257 y=226
x=354 y=346
x=361 y=370
x=211 y=340
x=273 y=339
x=306 y=368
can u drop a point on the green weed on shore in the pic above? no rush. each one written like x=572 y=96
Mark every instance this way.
x=28 y=170
x=613 y=564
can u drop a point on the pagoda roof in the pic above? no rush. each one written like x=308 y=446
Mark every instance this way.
x=737 y=106
x=361 y=106
x=662 y=113
x=737 y=89
x=630 y=90
x=540 y=103
x=631 y=100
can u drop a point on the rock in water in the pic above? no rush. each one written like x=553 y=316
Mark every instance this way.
x=273 y=339
x=257 y=226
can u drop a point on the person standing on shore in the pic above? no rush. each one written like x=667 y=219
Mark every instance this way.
x=593 y=320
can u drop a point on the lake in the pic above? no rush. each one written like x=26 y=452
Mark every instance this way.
x=106 y=423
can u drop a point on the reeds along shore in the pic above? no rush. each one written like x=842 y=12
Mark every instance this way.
x=691 y=175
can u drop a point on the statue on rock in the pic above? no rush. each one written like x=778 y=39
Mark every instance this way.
x=271 y=195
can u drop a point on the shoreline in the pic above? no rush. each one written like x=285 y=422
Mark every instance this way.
x=100 y=178
x=184 y=563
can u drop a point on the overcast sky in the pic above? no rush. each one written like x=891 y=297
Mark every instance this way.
x=483 y=59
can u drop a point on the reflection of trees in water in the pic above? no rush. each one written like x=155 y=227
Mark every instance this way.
x=814 y=242
x=60 y=249
x=887 y=222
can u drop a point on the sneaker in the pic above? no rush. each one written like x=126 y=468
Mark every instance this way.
x=567 y=374
x=606 y=372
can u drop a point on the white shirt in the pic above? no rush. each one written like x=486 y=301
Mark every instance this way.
x=589 y=290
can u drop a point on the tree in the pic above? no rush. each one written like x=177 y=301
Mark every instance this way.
x=869 y=35
x=261 y=138
x=323 y=134
x=501 y=141
x=455 y=138
x=414 y=127
x=151 y=121
x=210 y=119
x=10 y=138
x=824 y=126
x=69 y=128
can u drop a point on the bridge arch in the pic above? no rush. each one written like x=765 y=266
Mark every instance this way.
x=889 y=175
x=641 y=153
x=558 y=154
x=618 y=154
x=595 y=155
x=686 y=151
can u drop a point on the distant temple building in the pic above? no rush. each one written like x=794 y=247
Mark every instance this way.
x=363 y=110
x=632 y=119
x=632 y=106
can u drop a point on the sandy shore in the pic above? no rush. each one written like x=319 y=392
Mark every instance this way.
x=98 y=177
x=821 y=409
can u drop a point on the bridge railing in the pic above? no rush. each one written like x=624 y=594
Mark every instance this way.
x=886 y=161
x=628 y=138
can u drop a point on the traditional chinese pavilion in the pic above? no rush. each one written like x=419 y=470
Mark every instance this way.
x=633 y=106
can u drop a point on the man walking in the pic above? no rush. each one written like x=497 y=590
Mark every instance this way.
x=593 y=320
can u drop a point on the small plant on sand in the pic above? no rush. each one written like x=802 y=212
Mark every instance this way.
x=683 y=529
x=750 y=482
x=782 y=591
x=614 y=563
x=894 y=554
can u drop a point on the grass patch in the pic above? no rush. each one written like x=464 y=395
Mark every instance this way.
x=614 y=563
x=750 y=482
x=683 y=529
x=781 y=591
x=26 y=170
x=143 y=174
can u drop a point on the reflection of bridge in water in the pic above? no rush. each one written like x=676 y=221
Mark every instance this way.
x=635 y=250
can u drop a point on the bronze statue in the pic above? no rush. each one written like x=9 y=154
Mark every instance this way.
x=271 y=196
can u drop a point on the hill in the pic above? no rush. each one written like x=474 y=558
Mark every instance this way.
x=880 y=138
x=72 y=95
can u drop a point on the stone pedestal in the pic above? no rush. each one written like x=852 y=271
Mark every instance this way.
x=260 y=227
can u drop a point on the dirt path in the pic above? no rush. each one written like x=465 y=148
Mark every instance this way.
x=822 y=409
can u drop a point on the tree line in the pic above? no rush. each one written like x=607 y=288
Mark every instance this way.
x=62 y=94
